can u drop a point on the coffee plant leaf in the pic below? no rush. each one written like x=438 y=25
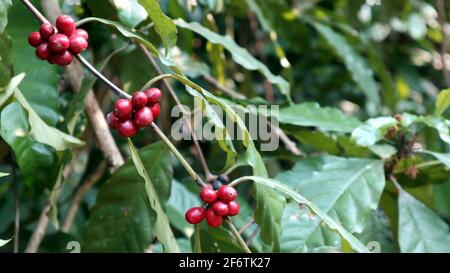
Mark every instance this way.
x=378 y=233
x=373 y=130
x=312 y=115
x=5 y=62
x=356 y=186
x=10 y=88
x=207 y=239
x=420 y=229
x=442 y=102
x=4 y=242
x=4 y=6
x=444 y=158
x=239 y=54
x=130 y=13
x=183 y=243
x=122 y=219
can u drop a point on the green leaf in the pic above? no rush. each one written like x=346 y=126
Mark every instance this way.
x=164 y=26
x=4 y=174
x=130 y=12
x=4 y=242
x=373 y=130
x=378 y=233
x=5 y=51
x=38 y=162
x=122 y=219
x=43 y=133
x=384 y=151
x=420 y=230
x=331 y=223
x=181 y=199
x=239 y=54
x=444 y=158
x=4 y=6
x=303 y=231
x=161 y=228
x=346 y=189
x=442 y=102
x=360 y=71
x=11 y=88
x=311 y=114
x=207 y=239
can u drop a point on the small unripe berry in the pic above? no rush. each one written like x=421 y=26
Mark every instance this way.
x=127 y=128
x=123 y=109
x=154 y=95
x=216 y=184
x=195 y=215
x=46 y=30
x=156 y=110
x=58 y=43
x=226 y=193
x=143 y=117
x=208 y=195
x=42 y=51
x=220 y=208
x=64 y=58
x=65 y=24
x=213 y=219
x=34 y=39
x=139 y=99
x=77 y=44
x=224 y=178
x=112 y=120
x=81 y=32
x=233 y=208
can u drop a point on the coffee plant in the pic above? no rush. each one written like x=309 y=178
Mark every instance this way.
x=329 y=124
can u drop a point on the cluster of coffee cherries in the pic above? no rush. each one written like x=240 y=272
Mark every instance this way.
x=129 y=116
x=218 y=204
x=59 y=48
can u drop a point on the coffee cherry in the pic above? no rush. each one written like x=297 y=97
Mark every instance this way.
x=143 y=117
x=77 y=44
x=34 y=39
x=154 y=95
x=139 y=99
x=81 y=32
x=127 y=128
x=123 y=109
x=220 y=208
x=46 y=30
x=51 y=58
x=195 y=215
x=208 y=195
x=213 y=219
x=58 y=43
x=226 y=193
x=233 y=208
x=65 y=24
x=64 y=58
x=112 y=120
x=42 y=51
x=156 y=110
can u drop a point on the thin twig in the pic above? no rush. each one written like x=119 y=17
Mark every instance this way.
x=246 y=226
x=238 y=236
x=252 y=236
x=444 y=44
x=230 y=92
x=16 y=204
x=209 y=176
x=79 y=195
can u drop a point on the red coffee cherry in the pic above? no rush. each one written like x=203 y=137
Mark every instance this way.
x=123 y=109
x=154 y=95
x=143 y=117
x=233 y=208
x=46 y=30
x=51 y=58
x=195 y=215
x=64 y=58
x=220 y=208
x=42 y=51
x=213 y=219
x=34 y=39
x=77 y=44
x=127 y=128
x=226 y=193
x=112 y=120
x=81 y=32
x=156 y=110
x=58 y=43
x=139 y=99
x=208 y=195
x=65 y=24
